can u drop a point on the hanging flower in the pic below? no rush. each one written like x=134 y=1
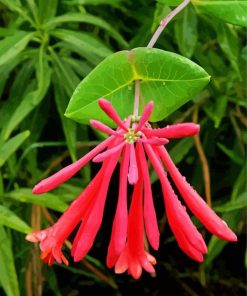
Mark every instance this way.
x=132 y=141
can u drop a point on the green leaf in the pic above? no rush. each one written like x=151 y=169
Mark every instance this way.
x=33 y=9
x=82 y=68
x=17 y=90
x=229 y=43
x=51 y=278
x=240 y=183
x=69 y=192
x=69 y=127
x=9 y=147
x=181 y=149
x=33 y=98
x=89 y=47
x=161 y=11
x=244 y=53
x=9 y=218
x=170 y=2
x=114 y=3
x=230 y=11
x=11 y=46
x=168 y=79
x=186 y=31
x=48 y=200
x=46 y=10
x=217 y=111
x=239 y=203
x=11 y=4
x=89 y=19
x=8 y=276
x=233 y=155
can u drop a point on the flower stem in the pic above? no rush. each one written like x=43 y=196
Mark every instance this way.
x=165 y=21
x=151 y=43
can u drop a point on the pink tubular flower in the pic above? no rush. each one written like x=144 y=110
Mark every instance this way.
x=131 y=142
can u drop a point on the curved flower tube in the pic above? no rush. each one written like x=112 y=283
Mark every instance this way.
x=131 y=142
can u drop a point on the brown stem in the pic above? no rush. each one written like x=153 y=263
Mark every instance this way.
x=33 y=275
x=205 y=166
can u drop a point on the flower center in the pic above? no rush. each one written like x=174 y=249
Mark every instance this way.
x=131 y=137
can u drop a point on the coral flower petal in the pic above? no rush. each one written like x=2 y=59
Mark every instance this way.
x=120 y=223
x=69 y=171
x=154 y=141
x=188 y=237
x=196 y=204
x=102 y=156
x=91 y=224
x=179 y=130
x=107 y=107
x=150 y=218
x=145 y=116
x=103 y=128
x=133 y=169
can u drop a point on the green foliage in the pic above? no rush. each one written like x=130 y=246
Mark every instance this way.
x=46 y=49
x=8 y=278
x=230 y=11
x=172 y=85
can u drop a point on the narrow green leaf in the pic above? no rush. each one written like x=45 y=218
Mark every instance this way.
x=186 y=31
x=229 y=43
x=17 y=90
x=1 y=184
x=69 y=192
x=234 y=156
x=51 y=278
x=33 y=9
x=244 y=53
x=69 y=127
x=114 y=3
x=8 y=276
x=82 y=68
x=46 y=11
x=161 y=11
x=10 y=219
x=168 y=79
x=181 y=149
x=217 y=111
x=231 y=11
x=11 y=4
x=33 y=98
x=48 y=200
x=240 y=183
x=5 y=71
x=9 y=147
x=11 y=46
x=64 y=78
x=89 y=46
x=170 y=2
x=89 y=19
x=239 y=203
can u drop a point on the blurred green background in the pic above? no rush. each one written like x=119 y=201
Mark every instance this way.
x=46 y=49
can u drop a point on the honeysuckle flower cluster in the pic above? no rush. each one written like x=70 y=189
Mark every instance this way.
x=132 y=143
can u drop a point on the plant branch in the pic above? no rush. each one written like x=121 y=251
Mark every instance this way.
x=165 y=21
x=151 y=43
x=205 y=167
